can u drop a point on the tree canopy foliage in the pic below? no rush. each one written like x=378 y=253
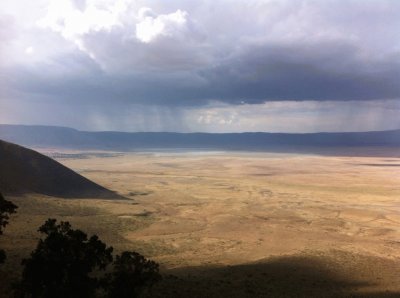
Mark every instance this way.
x=6 y=208
x=61 y=263
x=132 y=273
x=67 y=263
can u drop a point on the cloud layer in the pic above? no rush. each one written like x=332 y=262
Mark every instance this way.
x=193 y=54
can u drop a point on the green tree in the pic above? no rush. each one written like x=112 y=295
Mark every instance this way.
x=62 y=263
x=6 y=208
x=132 y=274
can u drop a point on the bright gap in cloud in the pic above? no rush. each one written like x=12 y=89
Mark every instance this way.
x=151 y=26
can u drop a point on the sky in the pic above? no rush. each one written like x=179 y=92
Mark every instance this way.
x=209 y=66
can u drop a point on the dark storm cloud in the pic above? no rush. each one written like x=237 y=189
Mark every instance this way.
x=189 y=54
x=325 y=71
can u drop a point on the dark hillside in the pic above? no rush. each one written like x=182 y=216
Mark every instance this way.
x=26 y=171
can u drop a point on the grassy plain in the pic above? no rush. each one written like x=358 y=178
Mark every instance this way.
x=228 y=224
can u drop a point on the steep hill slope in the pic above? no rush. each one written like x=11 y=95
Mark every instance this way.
x=26 y=171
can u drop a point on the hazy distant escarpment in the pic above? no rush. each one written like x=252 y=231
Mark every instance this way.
x=26 y=171
x=50 y=136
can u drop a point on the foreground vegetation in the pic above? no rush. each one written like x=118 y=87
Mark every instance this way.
x=6 y=208
x=67 y=263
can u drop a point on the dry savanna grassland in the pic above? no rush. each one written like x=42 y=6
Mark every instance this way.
x=236 y=224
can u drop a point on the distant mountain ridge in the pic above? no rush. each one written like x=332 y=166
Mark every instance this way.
x=24 y=170
x=51 y=136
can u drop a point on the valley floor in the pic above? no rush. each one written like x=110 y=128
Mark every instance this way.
x=238 y=224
